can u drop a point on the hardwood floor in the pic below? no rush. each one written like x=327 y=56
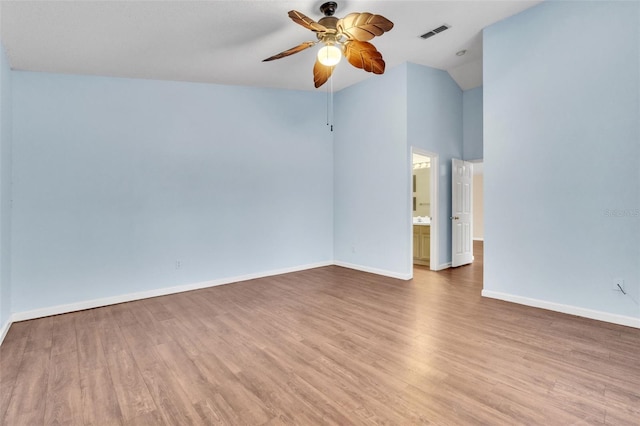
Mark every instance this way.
x=324 y=346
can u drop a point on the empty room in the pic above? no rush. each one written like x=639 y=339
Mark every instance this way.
x=315 y=212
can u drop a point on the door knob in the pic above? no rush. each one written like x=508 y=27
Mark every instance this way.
x=454 y=218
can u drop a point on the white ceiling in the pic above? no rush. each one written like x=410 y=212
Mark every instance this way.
x=225 y=41
x=418 y=158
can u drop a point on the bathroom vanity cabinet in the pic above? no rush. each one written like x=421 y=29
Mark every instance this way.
x=421 y=244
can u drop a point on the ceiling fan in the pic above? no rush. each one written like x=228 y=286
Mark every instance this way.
x=348 y=36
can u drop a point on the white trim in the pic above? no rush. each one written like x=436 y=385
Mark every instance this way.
x=374 y=270
x=442 y=266
x=410 y=210
x=106 y=301
x=435 y=208
x=566 y=309
x=478 y=239
x=5 y=329
x=478 y=166
x=95 y=303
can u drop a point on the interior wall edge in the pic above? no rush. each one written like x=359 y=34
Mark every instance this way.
x=565 y=309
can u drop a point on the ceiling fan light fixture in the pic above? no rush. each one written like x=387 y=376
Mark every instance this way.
x=329 y=55
x=348 y=36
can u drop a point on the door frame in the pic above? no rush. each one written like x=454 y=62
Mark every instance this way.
x=435 y=202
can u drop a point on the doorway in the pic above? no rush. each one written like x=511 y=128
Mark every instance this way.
x=424 y=208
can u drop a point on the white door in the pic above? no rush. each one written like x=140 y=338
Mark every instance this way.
x=462 y=210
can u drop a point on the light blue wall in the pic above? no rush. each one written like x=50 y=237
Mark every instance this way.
x=377 y=122
x=562 y=154
x=5 y=188
x=120 y=178
x=371 y=174
x=435 y=124
x=472 y=124
x=116 y=179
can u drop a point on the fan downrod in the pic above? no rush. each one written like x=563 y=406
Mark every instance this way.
x=329 y=8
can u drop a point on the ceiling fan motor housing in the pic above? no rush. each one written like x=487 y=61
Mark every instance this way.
x=329 y=8
x=330 y=23
x=331 y=35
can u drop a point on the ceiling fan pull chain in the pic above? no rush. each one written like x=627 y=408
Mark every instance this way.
x=330 y=104
x=332 y=115
x=327 y=105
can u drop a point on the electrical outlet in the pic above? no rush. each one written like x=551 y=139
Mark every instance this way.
x=353 y=249
x=618 y=284
x=178 y=264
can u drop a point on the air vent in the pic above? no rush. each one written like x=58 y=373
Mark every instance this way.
x=435 y=31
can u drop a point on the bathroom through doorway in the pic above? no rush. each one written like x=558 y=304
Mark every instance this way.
x=424 y=213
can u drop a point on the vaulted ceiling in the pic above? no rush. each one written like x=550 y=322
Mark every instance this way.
x=225 y=41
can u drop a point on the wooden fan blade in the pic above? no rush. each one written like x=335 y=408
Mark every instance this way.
x=363 y=26
x=321 y=73
x=306 y=22
x=362 y=54
x=298 y=48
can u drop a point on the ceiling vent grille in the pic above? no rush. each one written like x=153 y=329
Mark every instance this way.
x=435 y=31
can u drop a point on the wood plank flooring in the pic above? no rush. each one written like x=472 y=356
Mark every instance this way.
x=324 y=346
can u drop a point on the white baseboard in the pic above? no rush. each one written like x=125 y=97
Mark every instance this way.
x=373 y=270
x=566 y=309
x=106 y=301
x=96 y=303
x=5 y=329
x=442 y=266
